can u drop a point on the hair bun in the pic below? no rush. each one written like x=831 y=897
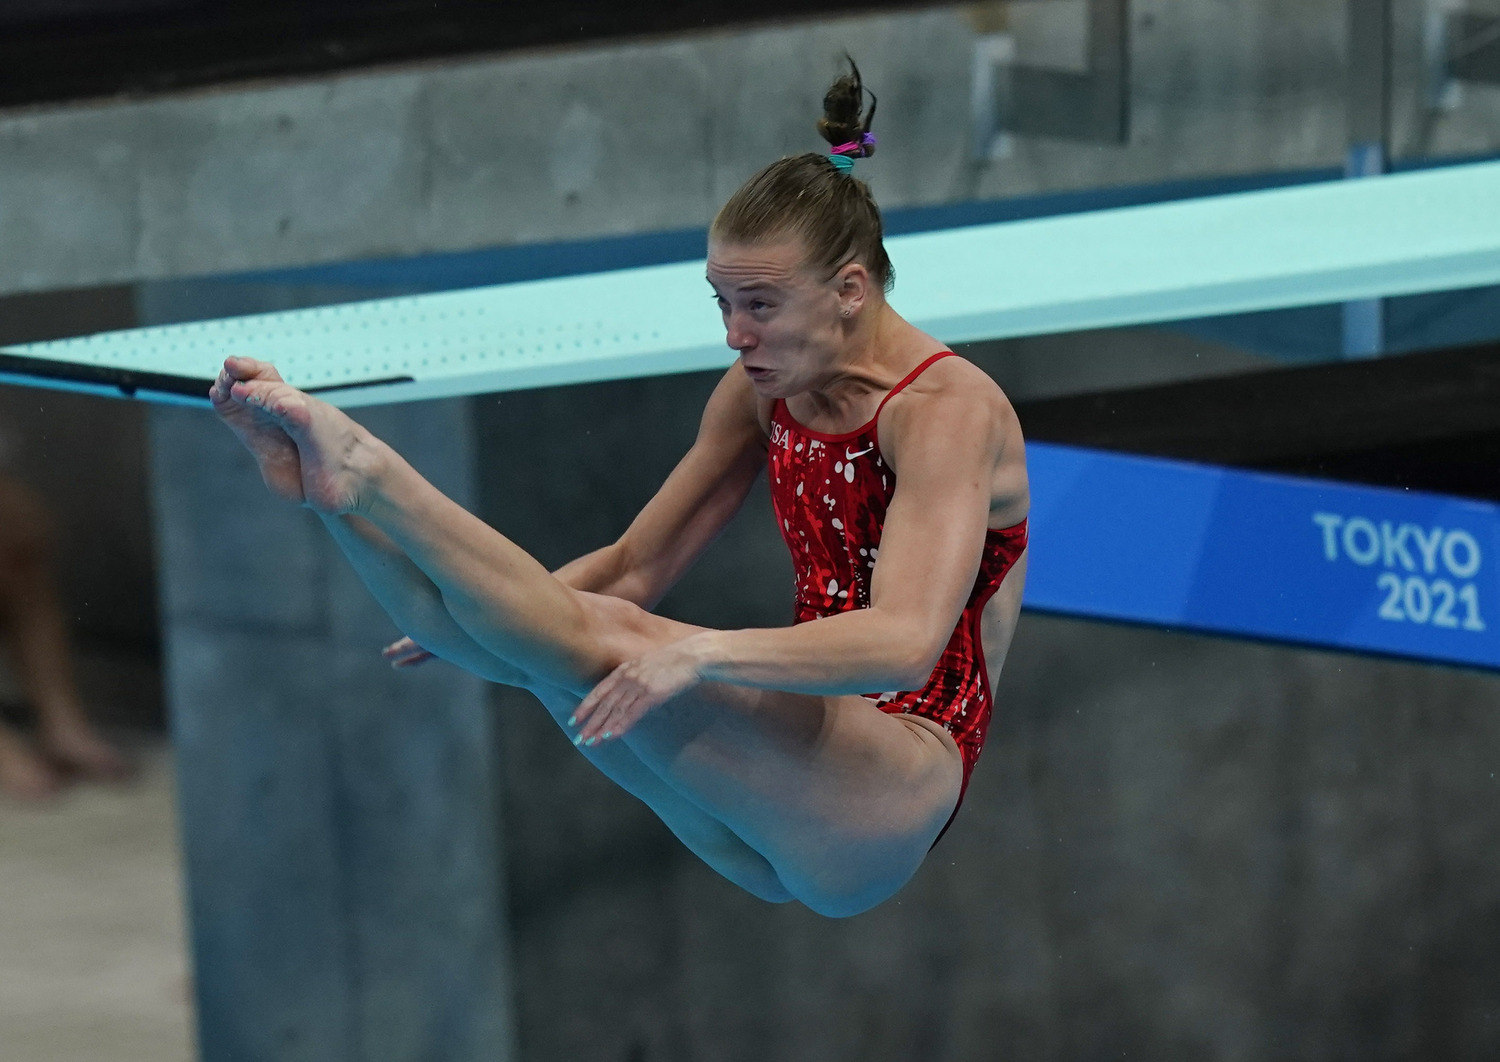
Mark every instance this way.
x=842 y=120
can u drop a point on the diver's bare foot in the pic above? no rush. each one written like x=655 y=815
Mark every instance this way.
x=336 y=455
x=83 y=752
x=274 y=450
x=24 y=775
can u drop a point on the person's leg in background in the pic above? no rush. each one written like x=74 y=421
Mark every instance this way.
x=34 y=635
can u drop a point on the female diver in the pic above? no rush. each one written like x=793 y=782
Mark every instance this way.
x=898 y=479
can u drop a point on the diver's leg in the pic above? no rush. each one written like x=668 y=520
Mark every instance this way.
x=703 y=834
x=417 y=607
x=842 y=799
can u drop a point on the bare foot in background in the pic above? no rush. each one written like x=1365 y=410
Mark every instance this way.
x=34 y=634
x=75 y=747
x=24 y=774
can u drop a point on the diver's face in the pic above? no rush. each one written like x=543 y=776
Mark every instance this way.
x=783 y=319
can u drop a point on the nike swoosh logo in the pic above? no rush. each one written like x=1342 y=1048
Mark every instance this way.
x=850 y=457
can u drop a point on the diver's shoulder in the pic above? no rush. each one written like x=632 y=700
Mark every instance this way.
x=955 y=381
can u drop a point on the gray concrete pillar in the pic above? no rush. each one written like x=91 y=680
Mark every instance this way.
x=1369 y=109
x=340 y=820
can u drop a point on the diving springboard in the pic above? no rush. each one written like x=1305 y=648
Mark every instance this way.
x=1254 y=555
x=1327 y=242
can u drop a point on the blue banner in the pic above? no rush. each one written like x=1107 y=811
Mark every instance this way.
x=1265 y=556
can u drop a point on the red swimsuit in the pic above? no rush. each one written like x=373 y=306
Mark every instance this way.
x=830 y=493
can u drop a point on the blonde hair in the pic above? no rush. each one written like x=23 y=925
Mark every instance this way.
x=808 y=197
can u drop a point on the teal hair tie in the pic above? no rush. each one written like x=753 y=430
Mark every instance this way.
x=844 y=163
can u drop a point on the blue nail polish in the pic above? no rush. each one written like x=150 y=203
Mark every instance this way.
x=590 y=741
x=578 y=739
x=572 y=720
x=608 y=734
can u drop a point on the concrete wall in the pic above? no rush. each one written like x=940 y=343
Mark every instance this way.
x=554 y=144
x=341 y=832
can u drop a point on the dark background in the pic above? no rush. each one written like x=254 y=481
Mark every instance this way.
x=80 y=48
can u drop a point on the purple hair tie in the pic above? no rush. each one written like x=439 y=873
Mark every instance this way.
x=854 y=147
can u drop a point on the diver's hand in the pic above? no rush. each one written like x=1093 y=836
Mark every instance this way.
x=634 y=688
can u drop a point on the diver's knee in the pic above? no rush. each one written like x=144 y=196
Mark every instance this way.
x=836 y=903
x=723 y=850
x=842 y=888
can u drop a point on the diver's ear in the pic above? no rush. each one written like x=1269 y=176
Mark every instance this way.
x=854 y=286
